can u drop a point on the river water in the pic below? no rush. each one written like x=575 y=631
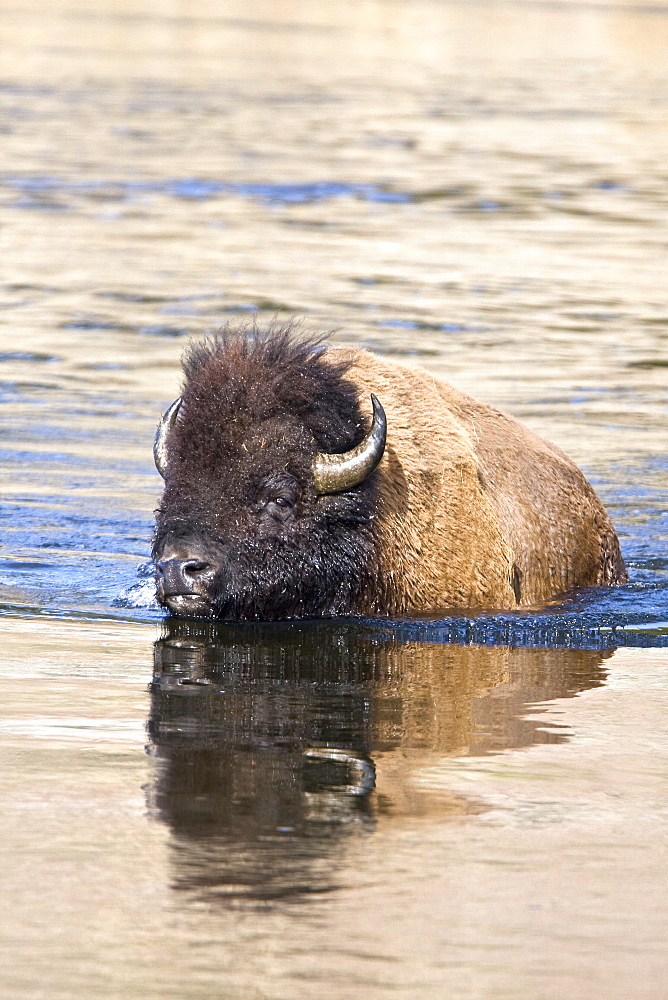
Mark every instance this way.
x=471 y=807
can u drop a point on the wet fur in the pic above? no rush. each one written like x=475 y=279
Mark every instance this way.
x=467 y=508
x=475 y=509
x=256 y=407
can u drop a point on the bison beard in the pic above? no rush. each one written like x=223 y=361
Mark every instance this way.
x=273 y=505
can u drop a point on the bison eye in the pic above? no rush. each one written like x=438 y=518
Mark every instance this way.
x=280 y=508
x=278 y=496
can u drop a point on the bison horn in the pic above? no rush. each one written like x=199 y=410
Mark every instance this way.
x=160 y=451
x=334 y=473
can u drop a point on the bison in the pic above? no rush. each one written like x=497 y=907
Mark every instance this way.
x=284 y=497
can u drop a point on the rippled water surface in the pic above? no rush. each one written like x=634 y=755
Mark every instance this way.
x=461 y=806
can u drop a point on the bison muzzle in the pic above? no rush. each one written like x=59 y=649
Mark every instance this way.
x=307 y=480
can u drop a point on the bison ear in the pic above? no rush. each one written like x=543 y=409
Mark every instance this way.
x=160 y=446
x=335 y=473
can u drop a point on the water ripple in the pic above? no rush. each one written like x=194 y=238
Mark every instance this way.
x=39 y=192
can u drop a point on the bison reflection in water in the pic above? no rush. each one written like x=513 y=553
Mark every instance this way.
x=278 y=503
x=274 y=744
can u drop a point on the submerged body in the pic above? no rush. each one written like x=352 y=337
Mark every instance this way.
x=460 y=506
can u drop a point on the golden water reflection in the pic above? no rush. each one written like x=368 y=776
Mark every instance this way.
x=273 y=745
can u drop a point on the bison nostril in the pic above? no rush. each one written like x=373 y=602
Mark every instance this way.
x=181 y=576
x=195 y=567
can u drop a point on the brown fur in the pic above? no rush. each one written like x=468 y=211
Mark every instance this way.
x=467 y=508
x=476 y=510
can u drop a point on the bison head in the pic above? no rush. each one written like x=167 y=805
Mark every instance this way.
x=269 y=501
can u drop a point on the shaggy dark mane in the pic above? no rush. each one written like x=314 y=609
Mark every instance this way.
x=265 y=373
x=256 y=407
